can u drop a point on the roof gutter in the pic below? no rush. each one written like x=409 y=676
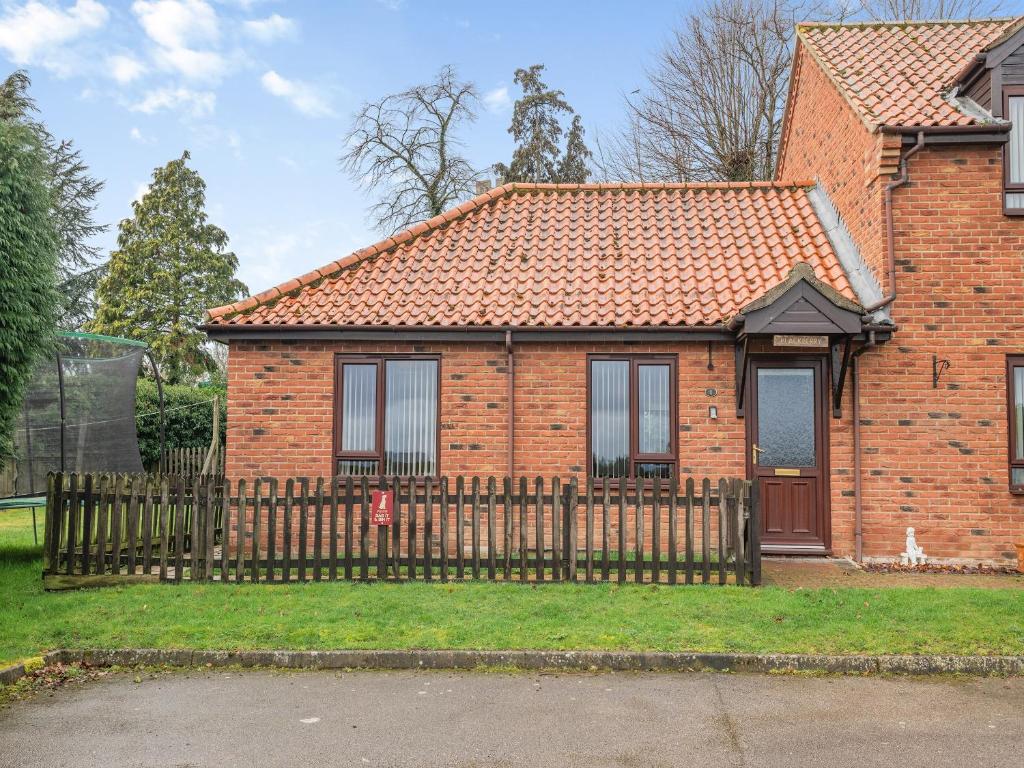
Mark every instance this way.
x=717 y=332
x=915 y=130
x=902 y=179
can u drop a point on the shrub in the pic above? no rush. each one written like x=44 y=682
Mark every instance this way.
x=188 y=421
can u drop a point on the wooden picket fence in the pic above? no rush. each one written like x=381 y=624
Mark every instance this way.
x=103 y=529
x=189 y=461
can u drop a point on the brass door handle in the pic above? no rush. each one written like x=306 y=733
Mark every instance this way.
x=755 y=452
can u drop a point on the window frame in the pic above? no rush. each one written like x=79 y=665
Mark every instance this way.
x=341 y=359
x=1012 y=361
x=1008 y=186
x=636 y=360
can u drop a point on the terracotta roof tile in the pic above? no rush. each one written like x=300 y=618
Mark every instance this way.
x=574 y=255
x=898 y=73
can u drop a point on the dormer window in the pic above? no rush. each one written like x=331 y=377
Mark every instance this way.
x=1013 y=152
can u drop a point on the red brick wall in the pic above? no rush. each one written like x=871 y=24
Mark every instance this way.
x=280 y=412
x=825 y=139
x=934 y=459
x=937 y=458
x=280 y=402
x=281 y=406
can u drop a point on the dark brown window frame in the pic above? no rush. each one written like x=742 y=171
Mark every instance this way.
x=380 y=360
x=1018 y=187
x=635 y=361
x=1012 y=361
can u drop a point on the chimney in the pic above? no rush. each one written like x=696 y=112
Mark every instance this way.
x=482 y=186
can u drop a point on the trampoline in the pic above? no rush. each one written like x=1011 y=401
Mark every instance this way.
x=78 y=414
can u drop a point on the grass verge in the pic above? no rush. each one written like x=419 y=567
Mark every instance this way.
x=494 y=616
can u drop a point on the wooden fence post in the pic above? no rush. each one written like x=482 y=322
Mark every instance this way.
x=705 y=532
x=556 y=528
x=508 y=510
x=722 y=529
x=475 y=511
x=492 y=534
x=573 y=515
x=755 y=533
x=443 y=513
x=257 y=514
x=673 y=534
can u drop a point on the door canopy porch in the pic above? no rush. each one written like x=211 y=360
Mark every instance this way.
x=805 y=312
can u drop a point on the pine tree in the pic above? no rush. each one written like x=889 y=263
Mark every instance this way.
x=169 y=267
x=28 y=253
x=572 y=169
x=73 y=202
x=537 y=130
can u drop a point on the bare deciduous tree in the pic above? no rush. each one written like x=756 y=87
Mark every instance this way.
x=895 y=10
x=713 y=105
x=405 y=146
x=714 y=100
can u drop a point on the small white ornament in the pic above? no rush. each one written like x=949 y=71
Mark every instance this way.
x=914 y=555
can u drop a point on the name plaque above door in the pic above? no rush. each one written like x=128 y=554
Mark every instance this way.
x=800 y=340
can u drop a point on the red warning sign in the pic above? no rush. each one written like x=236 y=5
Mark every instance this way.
x=382 y=507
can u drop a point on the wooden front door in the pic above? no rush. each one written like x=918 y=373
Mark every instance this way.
x=787 y=453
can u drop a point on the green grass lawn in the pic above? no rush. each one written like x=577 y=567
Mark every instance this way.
x=493 y=616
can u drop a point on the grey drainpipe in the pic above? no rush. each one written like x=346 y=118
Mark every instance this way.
x=903 y=178
x=511 y=380
x=858 y=506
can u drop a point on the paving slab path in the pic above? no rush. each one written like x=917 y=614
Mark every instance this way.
x=421 y=719
x=823 y=573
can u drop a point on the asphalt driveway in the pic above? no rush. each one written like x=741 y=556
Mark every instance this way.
x=219 y=718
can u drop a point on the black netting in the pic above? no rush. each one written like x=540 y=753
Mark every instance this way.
x=98 y=377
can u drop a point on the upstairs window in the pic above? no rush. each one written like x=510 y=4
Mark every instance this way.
x=632 y=408
x=1013 y=151
x=1015 y=419
x=386 y=412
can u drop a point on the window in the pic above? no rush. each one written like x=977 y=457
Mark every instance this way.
x=1013 y=151
x=386 y=412
x=1015 y=417
x=632 y=409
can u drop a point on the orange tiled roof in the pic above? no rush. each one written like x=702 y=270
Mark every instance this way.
x=567 y=255
x=898 y=73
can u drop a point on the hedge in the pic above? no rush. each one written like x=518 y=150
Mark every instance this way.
x=188 y=421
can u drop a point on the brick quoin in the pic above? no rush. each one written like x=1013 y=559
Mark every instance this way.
x=935 y=459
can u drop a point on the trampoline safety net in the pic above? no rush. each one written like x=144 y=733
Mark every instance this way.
x=95 y=377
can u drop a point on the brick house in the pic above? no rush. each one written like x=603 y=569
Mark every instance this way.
x=846 y=335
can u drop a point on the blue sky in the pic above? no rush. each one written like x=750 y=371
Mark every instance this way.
x=261 y=93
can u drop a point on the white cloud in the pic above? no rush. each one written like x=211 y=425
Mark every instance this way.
x=140 y=191
x=136 y=134
x=391 y=5
x=497 y=100
x=303 y=96
x=124 y=69
x=37 y=33
x=184 y=31
x=199 y=65
x=177 y=23
x=193 y=103
x=234 y=142
x=274 y=27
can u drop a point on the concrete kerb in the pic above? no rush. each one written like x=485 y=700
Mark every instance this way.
x=11 y=674
x=576 y=661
